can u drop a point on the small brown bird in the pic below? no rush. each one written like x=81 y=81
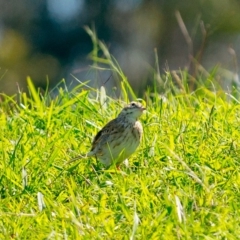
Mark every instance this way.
x=119 y=138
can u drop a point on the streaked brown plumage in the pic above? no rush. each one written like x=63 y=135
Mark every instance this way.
x=120 y=137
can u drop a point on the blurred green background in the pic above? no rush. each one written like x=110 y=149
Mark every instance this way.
x=46 y=39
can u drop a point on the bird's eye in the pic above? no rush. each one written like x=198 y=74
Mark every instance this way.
x=133 y=104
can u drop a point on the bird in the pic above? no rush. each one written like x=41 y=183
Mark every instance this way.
x=119 y=138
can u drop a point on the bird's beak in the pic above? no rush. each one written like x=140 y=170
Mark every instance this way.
x=143 y=108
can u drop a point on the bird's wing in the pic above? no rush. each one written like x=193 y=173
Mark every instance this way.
x=112 y=127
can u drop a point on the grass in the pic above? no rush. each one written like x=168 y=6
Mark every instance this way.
x=182 y=183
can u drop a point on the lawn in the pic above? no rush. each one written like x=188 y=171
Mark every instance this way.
x=183 y=182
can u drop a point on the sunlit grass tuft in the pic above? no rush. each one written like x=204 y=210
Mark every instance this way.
x=182 y=183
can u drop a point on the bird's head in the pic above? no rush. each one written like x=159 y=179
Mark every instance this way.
x=133 y=110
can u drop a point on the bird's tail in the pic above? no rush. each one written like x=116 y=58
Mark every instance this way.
x=76 y=158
